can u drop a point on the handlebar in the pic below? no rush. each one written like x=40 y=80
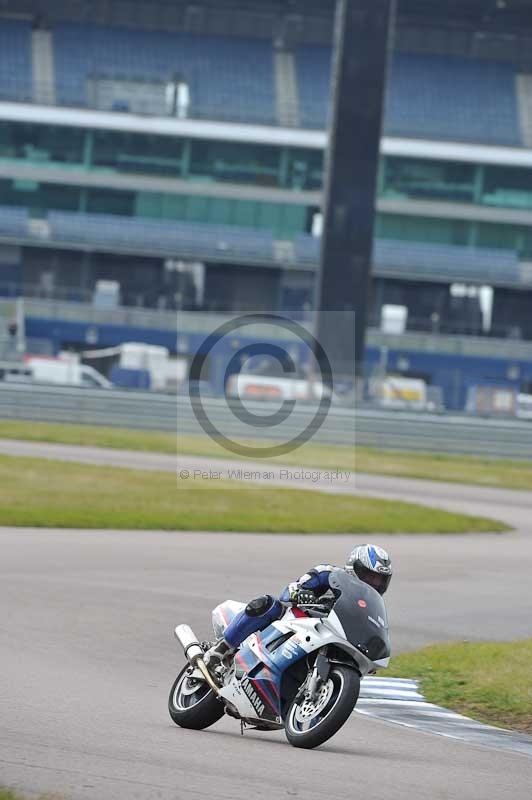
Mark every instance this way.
x=315 y=607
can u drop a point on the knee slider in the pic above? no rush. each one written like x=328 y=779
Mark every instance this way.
x=259 y=606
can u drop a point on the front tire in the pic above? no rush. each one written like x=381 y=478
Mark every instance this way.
x=192 y=704
x=310 y=723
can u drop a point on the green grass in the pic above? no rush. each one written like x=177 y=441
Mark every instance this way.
x=9 y=794
x=457 y=469
x=43 y=493
x=490 y=681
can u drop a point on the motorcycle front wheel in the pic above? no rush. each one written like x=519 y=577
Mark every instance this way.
x=310 y=723
x=192 y=704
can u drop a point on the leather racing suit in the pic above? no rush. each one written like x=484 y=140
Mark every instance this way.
x=262 y=611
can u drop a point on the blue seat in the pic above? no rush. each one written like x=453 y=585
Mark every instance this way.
x=229 y=78
x=446 y=262
x=13 y=222
x=163 y=237
x=432 y=97
x=432 y=261
x=15 y=61
x=453 y=98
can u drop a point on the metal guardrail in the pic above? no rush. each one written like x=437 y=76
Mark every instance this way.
x=384 y=429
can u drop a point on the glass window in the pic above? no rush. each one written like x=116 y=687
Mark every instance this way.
x=220 y=211
x=138 y=153
x=173 y=206
x=505 y=237
x=291 y=221
x=507 y=186
x=148 y=204
x=108 y=201
x=428 y=180
x=196 y=209
x=41 y=144
x=39 y=197
x=245 y=214
x=304 y=169
x=89 y=380
x=524 y=247
x=423 y=229
x=235 y=162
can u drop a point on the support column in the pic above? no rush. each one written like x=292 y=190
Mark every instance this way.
x=362 y=44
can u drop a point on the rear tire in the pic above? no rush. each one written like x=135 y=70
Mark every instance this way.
x=310 y=724
x=192 y=704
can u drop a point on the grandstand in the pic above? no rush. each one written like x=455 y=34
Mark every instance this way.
x=139 y=139
x=429 y=96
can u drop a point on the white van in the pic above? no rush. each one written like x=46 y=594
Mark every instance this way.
x=65 y=373
x=524 y=406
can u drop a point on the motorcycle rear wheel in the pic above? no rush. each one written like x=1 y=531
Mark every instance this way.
x=310 y=723
x=192 y=704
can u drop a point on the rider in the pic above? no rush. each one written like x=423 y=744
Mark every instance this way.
x=371 y=564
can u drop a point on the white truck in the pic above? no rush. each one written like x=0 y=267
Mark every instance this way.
x=249 y=386
x=398 y=393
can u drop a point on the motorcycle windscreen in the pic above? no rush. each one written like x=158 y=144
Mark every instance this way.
x=362 y=614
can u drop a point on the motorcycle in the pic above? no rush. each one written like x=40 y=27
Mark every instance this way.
x=301 y=673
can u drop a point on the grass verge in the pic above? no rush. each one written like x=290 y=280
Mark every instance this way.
x=43 y=493
x=489 y=681
x=455 y=469
x=9 y=794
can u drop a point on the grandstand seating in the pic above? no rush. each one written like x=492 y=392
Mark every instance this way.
x=428 y=97
x=445 y=262
x=393 y=258
x=233 y=78
x=187 y=239
x=13 y=222
x=313 y=69
x=306 y=248
x=161 y=236
x=228 y=78
x=15 y=61
x=453 y=98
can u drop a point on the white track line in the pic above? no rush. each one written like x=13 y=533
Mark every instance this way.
x=400 y=701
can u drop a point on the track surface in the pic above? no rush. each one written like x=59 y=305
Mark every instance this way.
x=87 y=657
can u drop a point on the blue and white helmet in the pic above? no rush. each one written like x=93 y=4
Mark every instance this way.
x=372 y=565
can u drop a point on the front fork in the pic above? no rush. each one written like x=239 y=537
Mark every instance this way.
x=318 y=676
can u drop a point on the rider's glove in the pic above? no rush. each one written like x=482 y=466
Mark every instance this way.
x=304 y=597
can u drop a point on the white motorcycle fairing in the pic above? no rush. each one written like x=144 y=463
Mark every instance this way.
x=254 y=684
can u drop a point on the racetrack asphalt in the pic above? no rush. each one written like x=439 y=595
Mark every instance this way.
x=87 y=655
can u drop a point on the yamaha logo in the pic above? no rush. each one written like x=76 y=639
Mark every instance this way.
x=256 y=702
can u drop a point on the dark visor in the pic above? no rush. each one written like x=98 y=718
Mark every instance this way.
x=375 y=579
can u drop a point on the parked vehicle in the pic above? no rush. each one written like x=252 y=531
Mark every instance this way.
x=399 y=393
x=63 y=372
x=524 y=406
x=251 y=386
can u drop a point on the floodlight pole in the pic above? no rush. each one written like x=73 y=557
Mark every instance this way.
x=362 y=44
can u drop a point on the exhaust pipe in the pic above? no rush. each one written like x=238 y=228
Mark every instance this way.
x=194 y=653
